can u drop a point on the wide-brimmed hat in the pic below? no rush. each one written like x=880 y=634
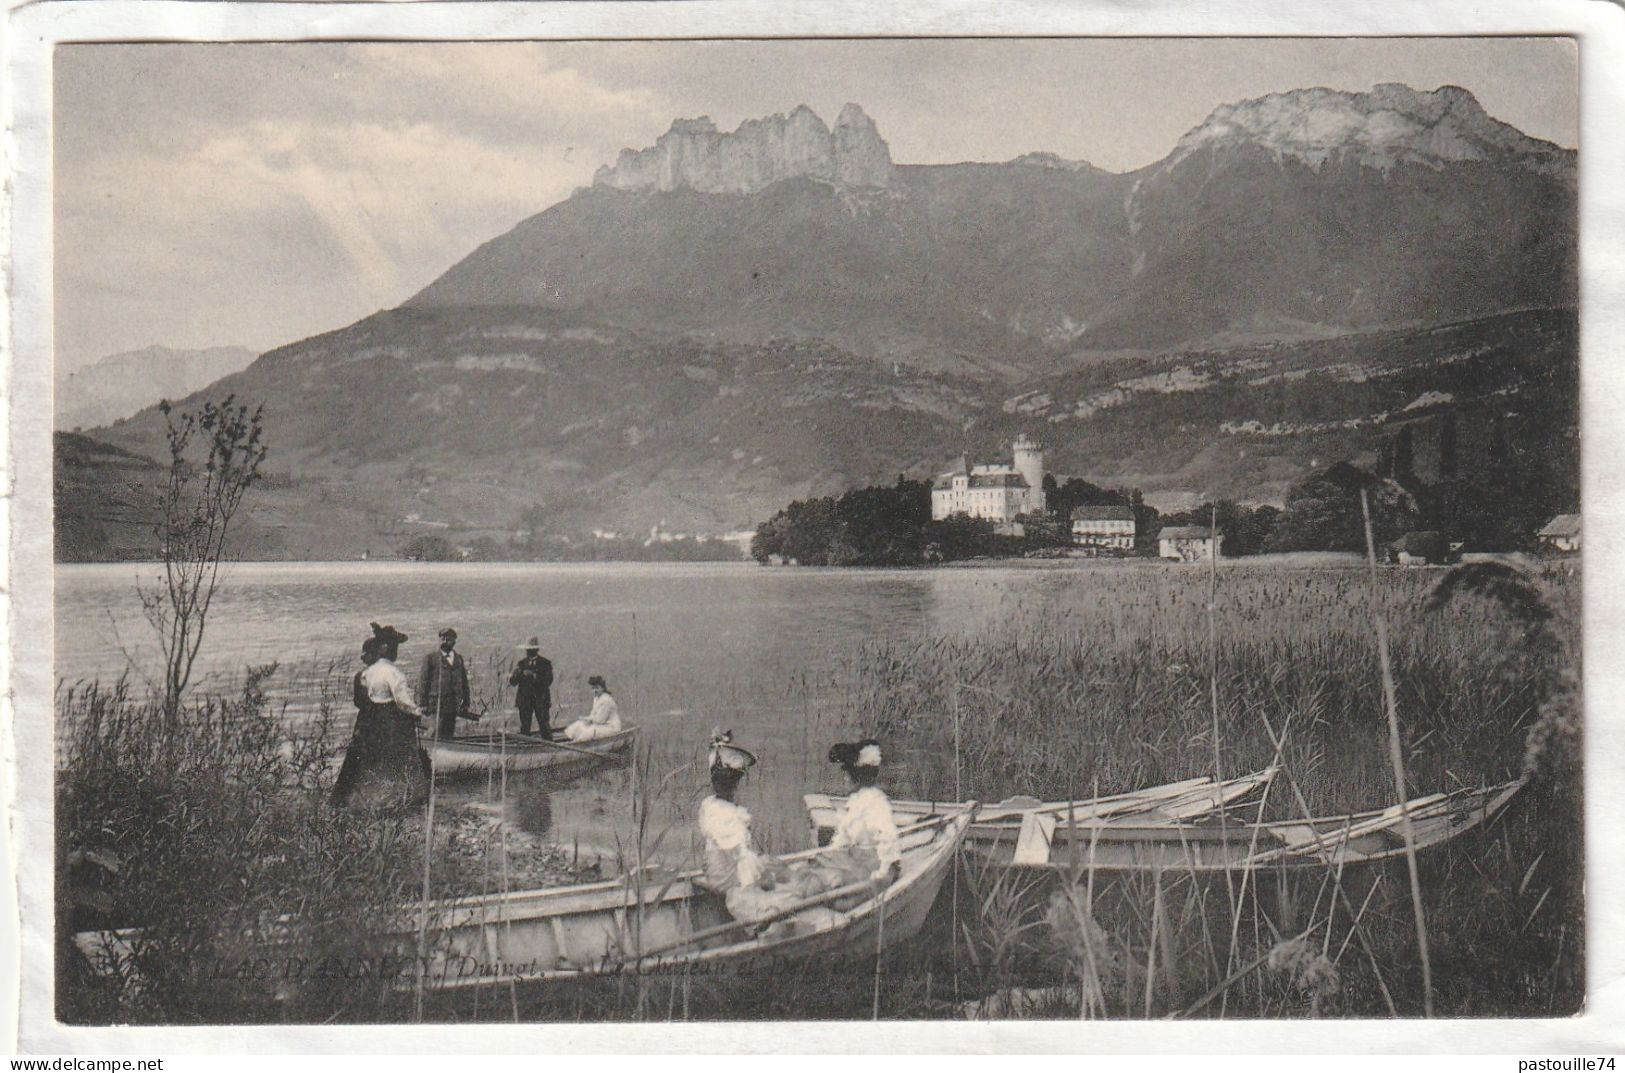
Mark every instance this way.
x=598 y=680
x=448 y=634
x=387 y=635
x=533 y=642
x=725 y=754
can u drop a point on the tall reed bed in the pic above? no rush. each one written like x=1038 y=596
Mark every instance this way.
x=1068 y=701
x=206 y=834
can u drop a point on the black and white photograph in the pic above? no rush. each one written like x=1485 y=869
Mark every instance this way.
x=979 y=529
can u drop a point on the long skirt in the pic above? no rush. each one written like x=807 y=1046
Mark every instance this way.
x=581 y=730
x=793 y=884
x=847 y=865
x=383 y=758
x=753 y=903
x=837 y=868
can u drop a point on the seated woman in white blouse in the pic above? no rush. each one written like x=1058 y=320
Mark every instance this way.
x=602 y=721
x=864 y=846
x=752 y=884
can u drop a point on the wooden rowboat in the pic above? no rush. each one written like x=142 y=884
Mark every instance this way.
x=520 y=752
x=641 y=923
x=1211 y=845
x=1036 y=825
x=655 y=925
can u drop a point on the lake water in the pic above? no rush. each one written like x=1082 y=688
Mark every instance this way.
x=685 y=647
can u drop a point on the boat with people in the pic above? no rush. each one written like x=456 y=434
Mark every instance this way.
x=650 y=923
x=478 y=753
x=646 y=921
x=1223 y=842
x=1033 y=825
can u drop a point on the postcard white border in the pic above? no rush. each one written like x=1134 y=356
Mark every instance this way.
x=25 y=459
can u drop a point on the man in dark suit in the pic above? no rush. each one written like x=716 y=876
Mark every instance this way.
x=533 y=696
x=443 y=685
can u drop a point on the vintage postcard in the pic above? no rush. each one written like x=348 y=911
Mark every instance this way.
x=738 y=522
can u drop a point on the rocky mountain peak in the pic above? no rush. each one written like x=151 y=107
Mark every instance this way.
x=1053 y=161
x=1389 y=125
x=695 y=155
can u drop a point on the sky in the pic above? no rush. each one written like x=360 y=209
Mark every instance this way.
x=257 y=194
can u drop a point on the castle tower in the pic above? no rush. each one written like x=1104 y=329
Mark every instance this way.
x=1029 y=459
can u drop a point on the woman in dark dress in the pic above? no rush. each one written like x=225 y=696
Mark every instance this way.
x=363 y=745
x=385 y=746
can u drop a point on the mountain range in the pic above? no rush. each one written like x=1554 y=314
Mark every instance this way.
x=120 y=385
x=724 y=321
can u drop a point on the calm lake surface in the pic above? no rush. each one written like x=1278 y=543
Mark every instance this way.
x=685 y=647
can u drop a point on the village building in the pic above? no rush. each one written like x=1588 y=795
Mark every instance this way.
x=1189 y=543
x=659 y=534
x=997 y=492
x=1104 y=528
x=1562 y=533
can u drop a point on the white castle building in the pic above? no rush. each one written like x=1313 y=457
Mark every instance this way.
x=997 y=492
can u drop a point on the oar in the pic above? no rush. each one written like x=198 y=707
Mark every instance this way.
x=556 y=744
x=860 y=887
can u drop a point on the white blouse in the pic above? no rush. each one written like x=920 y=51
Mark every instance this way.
x=867 y=822
x=385 y=684
x=605 y=712
x=731 y=859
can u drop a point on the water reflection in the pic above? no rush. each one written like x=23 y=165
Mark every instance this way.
x=533 y=812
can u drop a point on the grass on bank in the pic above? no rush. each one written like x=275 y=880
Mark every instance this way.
x=219 y=825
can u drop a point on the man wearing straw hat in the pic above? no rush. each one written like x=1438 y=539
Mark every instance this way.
x=533 y=695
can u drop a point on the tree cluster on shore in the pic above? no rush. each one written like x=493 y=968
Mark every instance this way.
x=892 y=525
x=876 y=526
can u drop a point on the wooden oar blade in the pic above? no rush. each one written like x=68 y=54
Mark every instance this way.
x=1034 y=841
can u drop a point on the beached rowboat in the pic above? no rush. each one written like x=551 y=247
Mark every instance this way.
x=520 y=752
x=643 y=923
x=1211 y=844
x=1035 y=826
x=673 y=924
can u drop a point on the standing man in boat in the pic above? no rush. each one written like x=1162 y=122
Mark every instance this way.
x=443 y=685
x=533 y=696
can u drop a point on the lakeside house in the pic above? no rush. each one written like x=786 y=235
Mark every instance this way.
x=1562 y=533
x=1104 y=528
x=998 y=492
x=1188 y=543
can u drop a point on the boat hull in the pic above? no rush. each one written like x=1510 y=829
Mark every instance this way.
x=494 y=752
x=599 y=929
x=1207 y=847
x=1002 y=823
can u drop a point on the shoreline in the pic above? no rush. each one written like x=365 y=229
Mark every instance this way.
x=1347 y=559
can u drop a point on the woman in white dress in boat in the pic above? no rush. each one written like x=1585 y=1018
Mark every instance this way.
x=602 y=721
x=864 y=846
x=753 y=885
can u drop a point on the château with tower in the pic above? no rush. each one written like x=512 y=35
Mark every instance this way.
x=999 y=492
